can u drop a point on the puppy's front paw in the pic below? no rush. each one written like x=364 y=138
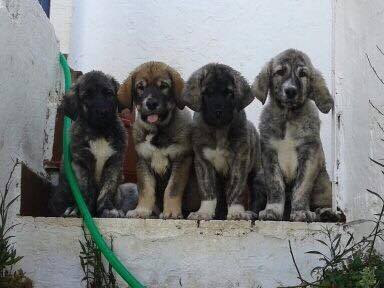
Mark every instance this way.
x=199 y=215
x=237 y=212
x=113 y=213
x=139 y=212
x=303 y=216
x=171 y=215
x=71 y=212
x=273 y=212
x=159 y=163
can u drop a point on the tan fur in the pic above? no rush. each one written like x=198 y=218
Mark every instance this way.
x=150 y=72
x=156 y=160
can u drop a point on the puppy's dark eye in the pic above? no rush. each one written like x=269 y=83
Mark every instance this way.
x=280 y=72
x=107 y=92
x=302 y=73
x=140 y=87
x=229 y=93
x=164 y=85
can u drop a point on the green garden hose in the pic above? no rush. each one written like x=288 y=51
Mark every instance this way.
x=88 y=220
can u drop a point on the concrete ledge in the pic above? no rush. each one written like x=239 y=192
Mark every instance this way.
x=165 y=253
x=139 y=227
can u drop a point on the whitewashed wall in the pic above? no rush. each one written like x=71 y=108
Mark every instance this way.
x=29 y=83
x=116 y=36
x=359 y=28
x=61 y=19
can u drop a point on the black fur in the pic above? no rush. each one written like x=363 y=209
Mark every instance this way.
x=92 y=104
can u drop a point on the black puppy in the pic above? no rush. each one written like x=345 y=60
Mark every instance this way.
x=98 y=143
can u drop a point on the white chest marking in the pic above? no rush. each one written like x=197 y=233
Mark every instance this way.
x=219 y=158
x=287 y=154
x=101 y=150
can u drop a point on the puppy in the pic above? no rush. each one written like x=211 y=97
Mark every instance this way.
x=162 y=139
x=297 y=182
x=98 y=142
x=226 y=145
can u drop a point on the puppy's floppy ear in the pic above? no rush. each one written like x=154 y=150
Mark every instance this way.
x=115 y=84
x=125 y=92
x=261 y=85
x=177 y=86
x=243 y=93
x=192 y=90
x=70 y=102
x=319 y=92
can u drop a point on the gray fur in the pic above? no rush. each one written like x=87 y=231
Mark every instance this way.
x=292 y=155
x=224 y=155
x=91 y=132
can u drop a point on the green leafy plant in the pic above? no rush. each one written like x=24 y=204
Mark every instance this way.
x=95 y=273
x=8 y=255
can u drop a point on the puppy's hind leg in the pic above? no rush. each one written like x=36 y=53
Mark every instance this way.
x=321 y=200
x=256 y=184
x=126 y=197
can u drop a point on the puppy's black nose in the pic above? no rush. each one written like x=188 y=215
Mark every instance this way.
x=152 y=104
x=219 y=113
x=291 y=92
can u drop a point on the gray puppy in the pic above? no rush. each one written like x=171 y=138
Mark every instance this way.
x=98 y=143
x=297 y=182
x=226 y=145
x=162 y=139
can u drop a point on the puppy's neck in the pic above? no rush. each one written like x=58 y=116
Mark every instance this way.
x=288 y=114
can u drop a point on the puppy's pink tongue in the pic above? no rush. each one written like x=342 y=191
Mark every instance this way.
x=152 y=118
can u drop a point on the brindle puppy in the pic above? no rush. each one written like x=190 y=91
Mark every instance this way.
x=226 y=145
x=297 y=182
x=98 y=143
x=162 y=139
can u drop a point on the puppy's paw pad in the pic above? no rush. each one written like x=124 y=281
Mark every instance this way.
x=200 y=216
x=303 y=216
x=244 y=215
x=171 y=215
x=139 y=213
x=114 y=213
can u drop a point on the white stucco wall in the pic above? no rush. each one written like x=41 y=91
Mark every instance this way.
x=359 y=28
x=61 y=19
x=29 y=83
x=117 y=36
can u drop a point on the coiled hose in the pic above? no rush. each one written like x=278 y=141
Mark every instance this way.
x=88 y=220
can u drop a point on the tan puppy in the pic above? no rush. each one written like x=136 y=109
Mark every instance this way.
x=161 y=133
